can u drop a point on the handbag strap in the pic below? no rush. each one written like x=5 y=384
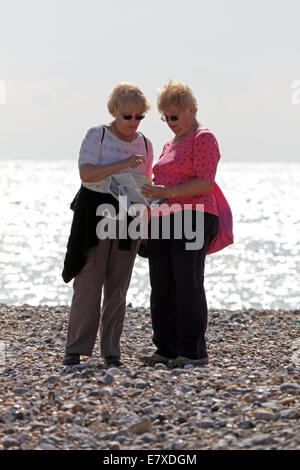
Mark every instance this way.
x=146 y=143
x=102 y=137
x=103 y=132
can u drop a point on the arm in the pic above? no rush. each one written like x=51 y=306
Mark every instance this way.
x=196 y=186
x=90 y=173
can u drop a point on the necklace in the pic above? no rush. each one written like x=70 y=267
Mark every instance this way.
x=130 y=141
x=112 y=126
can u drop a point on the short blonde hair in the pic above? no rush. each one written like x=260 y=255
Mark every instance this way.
x=125 y=98
x=175 y=94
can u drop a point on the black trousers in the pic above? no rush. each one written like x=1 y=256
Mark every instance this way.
x=178 y=301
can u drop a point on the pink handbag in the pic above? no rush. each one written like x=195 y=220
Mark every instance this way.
x=224 y=236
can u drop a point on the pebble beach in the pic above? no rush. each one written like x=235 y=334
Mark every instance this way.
x=247 y=397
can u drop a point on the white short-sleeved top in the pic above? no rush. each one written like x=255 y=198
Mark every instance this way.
x=111 y=150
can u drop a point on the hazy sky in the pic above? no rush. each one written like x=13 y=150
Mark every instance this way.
x=60 y=60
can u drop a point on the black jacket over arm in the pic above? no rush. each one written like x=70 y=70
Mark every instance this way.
x=83 y=229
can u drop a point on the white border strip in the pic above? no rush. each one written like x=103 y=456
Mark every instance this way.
x=2 y=353
x=2 y=92
x=296 y=353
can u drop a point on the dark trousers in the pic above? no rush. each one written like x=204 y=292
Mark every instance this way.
x=178 y=301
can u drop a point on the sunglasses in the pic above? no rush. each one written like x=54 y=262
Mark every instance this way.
x=171 y=118
x=128 y=117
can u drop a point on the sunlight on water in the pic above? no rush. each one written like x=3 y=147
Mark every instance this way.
x=261 y=270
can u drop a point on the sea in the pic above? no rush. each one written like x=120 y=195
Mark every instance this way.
x=260 y=270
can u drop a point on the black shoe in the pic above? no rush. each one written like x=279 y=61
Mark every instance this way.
x=112 y=361
x=71 y=359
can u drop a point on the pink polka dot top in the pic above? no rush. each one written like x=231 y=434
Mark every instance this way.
x=197 y=156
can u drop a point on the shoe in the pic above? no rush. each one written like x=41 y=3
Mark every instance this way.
x=181 y=361
x=112 y=361
x=71 y=359
x=155 y=359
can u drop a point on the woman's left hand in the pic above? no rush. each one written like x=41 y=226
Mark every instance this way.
x=152 y=191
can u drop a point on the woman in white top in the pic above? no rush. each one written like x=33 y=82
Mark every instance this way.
x=117 y=147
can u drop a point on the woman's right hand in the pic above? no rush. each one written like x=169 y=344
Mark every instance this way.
x=90 y=173
x=134 y=161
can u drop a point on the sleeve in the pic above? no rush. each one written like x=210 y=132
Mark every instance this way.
x=90 y=147
x=149 y=160
x=206 y=156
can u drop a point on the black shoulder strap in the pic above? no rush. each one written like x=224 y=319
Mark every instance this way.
x=103 y=134
x=146 y=144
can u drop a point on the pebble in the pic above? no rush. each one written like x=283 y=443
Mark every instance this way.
x=214 y=407
x=115 y=371
x=258 y=439
x=273 y=405
x=46 y=446
x=108 y=379
x=52 y=379
x=265 y=415
x=289 y=414
x=141 y=427
x=289 y=387
x=7 y=443
x=148 y=438
x=246 y=424
x=208 y=393
x=20 y=391
x=243 y=399
x=206 y=424
x=140 y=384
x=114 y=445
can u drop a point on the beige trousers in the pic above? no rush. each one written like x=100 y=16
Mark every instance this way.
x=109 y=268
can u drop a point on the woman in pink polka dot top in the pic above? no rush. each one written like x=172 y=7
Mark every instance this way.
x=184 y=175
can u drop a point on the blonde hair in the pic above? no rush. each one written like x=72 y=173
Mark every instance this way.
x=175 y=94
x=125 y=98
